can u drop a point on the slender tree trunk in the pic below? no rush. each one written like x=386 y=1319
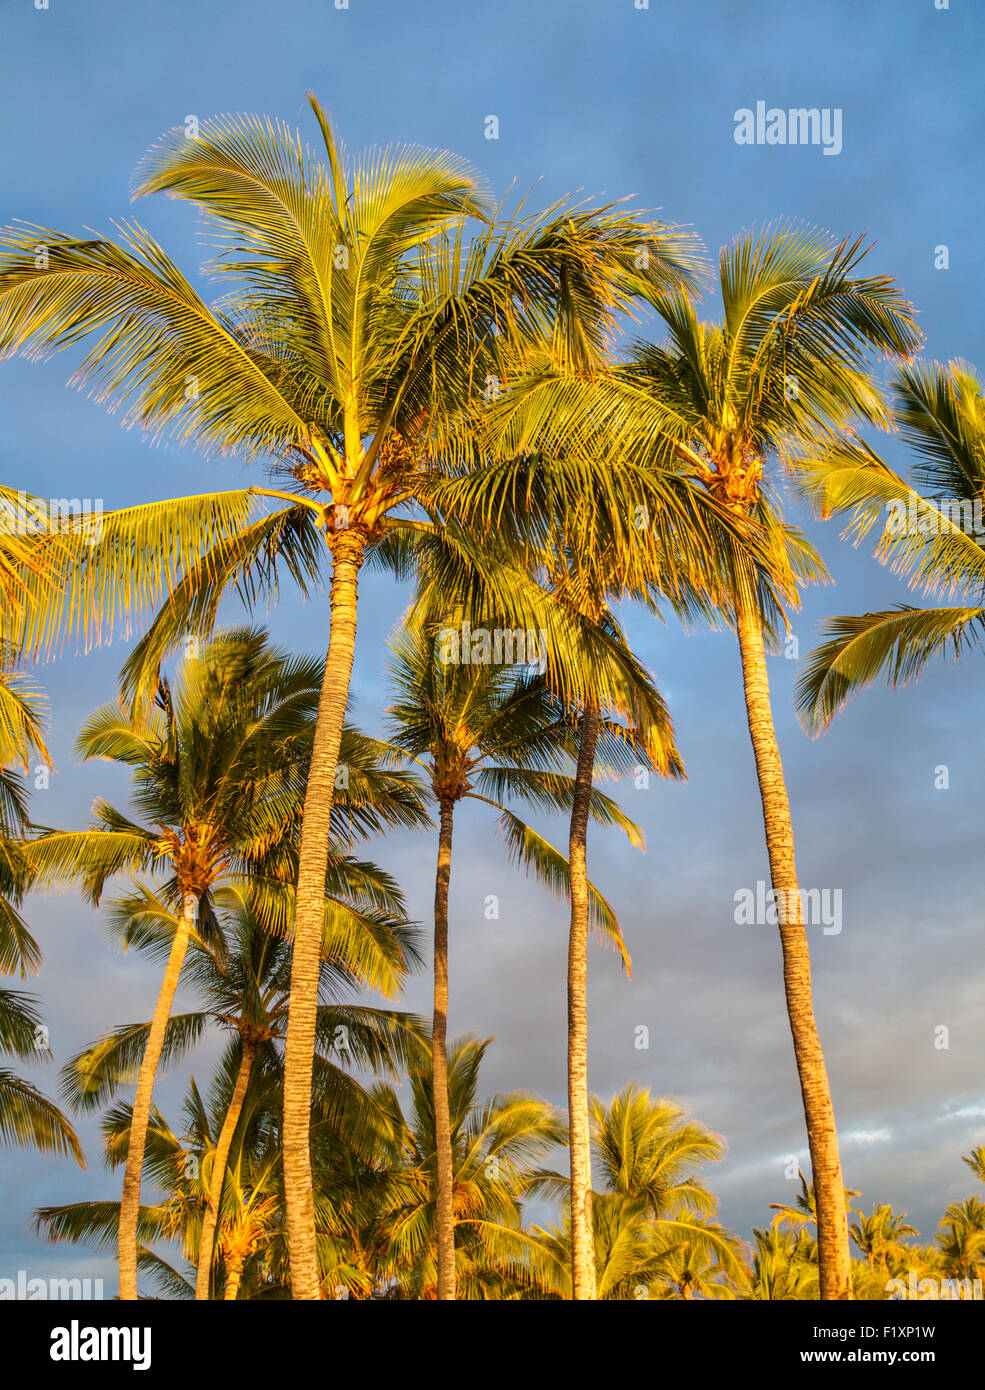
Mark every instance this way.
x=140 y=1120
x=445 y=1204
x=299 y=1045
x=834 y=1255
x=219 y=1161
x=582 y=1233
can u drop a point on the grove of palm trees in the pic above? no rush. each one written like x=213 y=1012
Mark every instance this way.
x=442 y=856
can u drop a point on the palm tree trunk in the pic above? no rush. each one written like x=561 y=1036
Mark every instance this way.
x=445 y=1204
x=233 y=1276
x=834 y=1255
x=582 y=1234
x=220 y=1159
x=299 y=1045
x=140 y=1119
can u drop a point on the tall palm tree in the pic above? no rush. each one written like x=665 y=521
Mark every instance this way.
x=931 y=534
x=582 y=572
x=785 y=371
x=483 y=731
x=216 y=776
x=579 y=554
x=649 y=740
x=362 y=319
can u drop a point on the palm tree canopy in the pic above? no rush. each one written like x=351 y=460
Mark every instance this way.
x=362 y=316
x=244 y=989
x=934 y=538
x=217 y=778
x=497 y=1144
x=653 y=1212
x=786 y=365
x=27 y=1117
x=492 y=732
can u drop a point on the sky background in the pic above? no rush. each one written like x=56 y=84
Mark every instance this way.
x=598 y=96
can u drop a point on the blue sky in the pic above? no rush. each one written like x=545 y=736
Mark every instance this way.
x=610 y=100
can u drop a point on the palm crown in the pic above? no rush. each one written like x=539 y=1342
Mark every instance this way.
x=491 y=733
x=362 y=318
x=934 y=538
x=216 y=773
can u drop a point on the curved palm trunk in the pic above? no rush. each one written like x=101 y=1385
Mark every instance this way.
x=582 y=1234
x=834 y=1255
x=140 y=1120
x=231 y=1120
x=299 y=1046
x=445 y=1205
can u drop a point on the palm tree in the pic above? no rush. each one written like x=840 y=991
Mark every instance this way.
x=19 y=952
x=976 y=1162
x=581 y=570
x=248 y=1258
x=650 y=1149
x=23 y=581
x=483 y=731
x=496 y=1142
x=691 y=1269
x=26 y=1116
x=804 y=1210
x=648 y=741
x=216 y=776
x=244 y=988
x=934 y=537
x=362 y=319
x=784 y=372
x=784 y=1266
x=961 y=1239
x=880 y=1236
x=653 y=1211
x=27 y=576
